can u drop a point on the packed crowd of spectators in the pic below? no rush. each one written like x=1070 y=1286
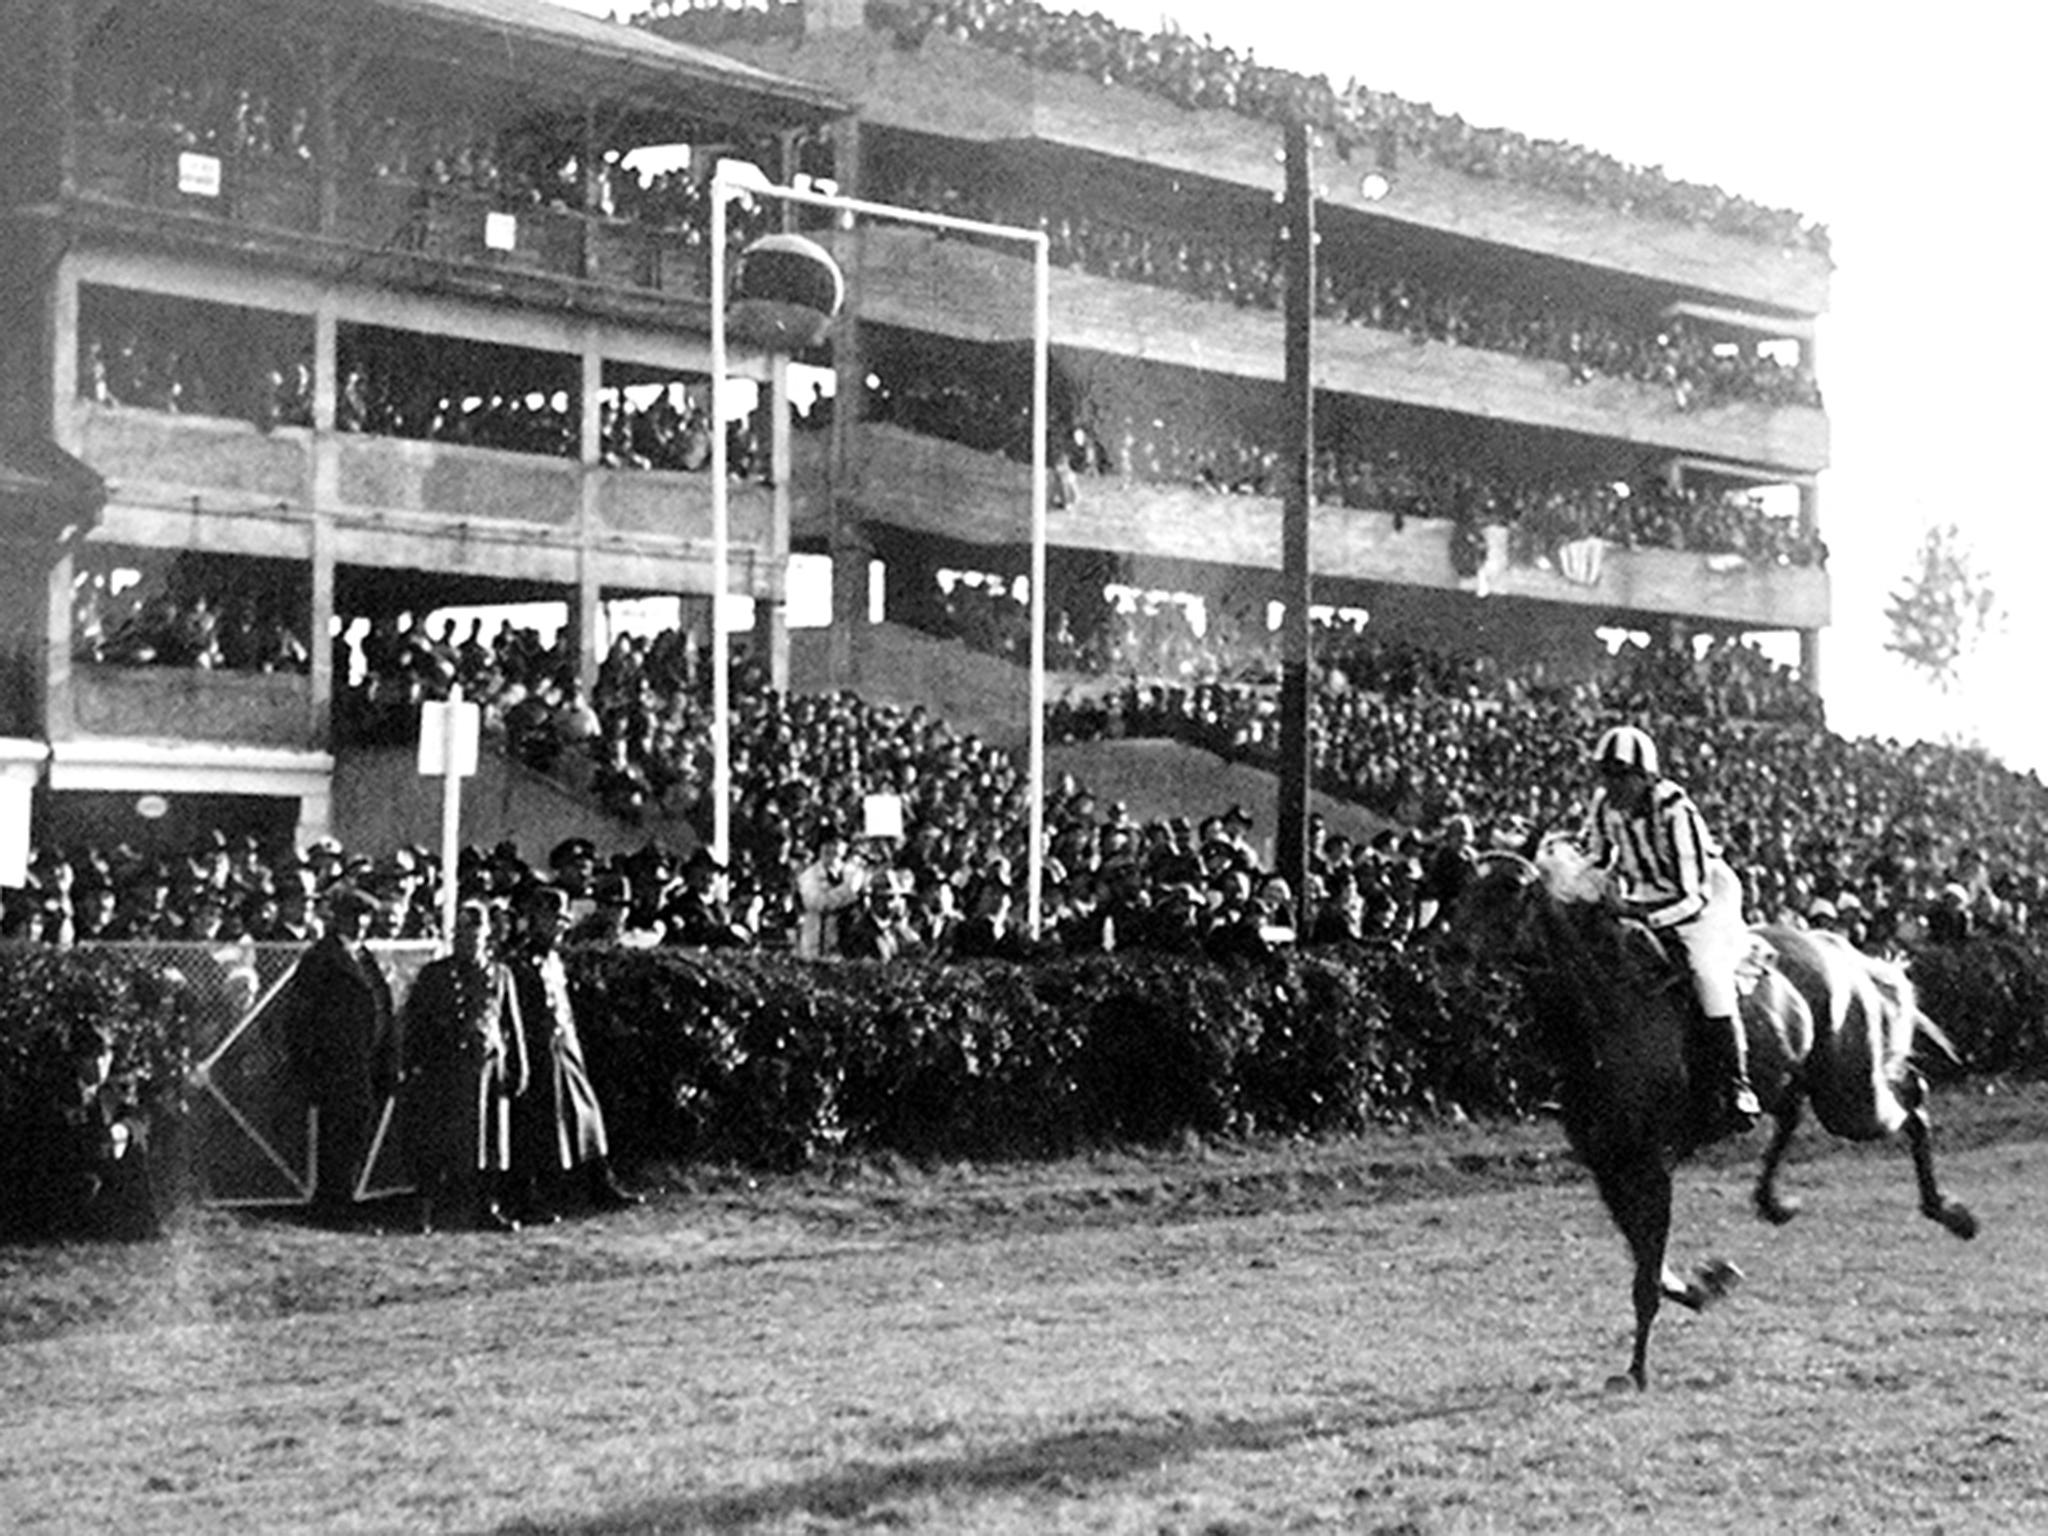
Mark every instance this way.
x=982 y=411
x=211 y=360
x=1895 y=844
x=397 y=129
x=1673 y=354
x=145 y=625
x=1202 y=74
x=1418 y=735
x=1813 y=821
x=1898 y=844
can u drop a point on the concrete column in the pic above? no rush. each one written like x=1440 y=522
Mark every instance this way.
x=1809 y=639
x=326 y=492
x=55 y=702
x=61 y=63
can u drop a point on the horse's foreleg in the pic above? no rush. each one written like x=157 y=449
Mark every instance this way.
x=1773 y=1207
x=1934 y=1205
x=1638 y=1196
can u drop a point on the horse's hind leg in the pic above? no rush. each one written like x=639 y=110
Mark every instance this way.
x=1775 y=1208
x=1934 y=1205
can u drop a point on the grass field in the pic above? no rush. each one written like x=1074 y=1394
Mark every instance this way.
x=1403 y=1334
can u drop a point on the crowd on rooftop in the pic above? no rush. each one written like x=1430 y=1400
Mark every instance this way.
x=1359 y=121
x=1361 y=124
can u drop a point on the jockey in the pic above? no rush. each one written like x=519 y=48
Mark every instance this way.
x=1667 y=870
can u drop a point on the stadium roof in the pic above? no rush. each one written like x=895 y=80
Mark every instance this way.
x=536 y=42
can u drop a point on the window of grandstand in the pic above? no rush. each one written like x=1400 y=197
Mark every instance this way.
x=150 y=608
x=448 y=389
x=151 y=351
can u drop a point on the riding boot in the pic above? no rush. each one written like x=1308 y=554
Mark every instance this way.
x=1739 y=1108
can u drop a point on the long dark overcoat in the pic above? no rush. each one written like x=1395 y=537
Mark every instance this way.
x=343 y=1043
x=465 y=1062
x=556 y=1123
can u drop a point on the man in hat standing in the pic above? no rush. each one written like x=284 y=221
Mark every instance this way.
x=337 y=1024
x=557 y=1124
x=85 y=1144
x=698 y=914
x=825 y=888
x=465 y=1062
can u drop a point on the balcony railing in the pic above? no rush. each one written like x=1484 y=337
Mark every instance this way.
x=138 y=166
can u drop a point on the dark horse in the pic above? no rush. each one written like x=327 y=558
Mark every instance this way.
x=1827 y=1024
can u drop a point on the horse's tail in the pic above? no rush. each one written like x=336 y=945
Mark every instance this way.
x=1896 y=987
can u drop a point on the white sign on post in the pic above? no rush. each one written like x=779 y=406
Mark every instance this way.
x=448 y=748
x=448 y=739
x=882 y=816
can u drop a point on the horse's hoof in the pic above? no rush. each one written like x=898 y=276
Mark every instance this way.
x=1959 y=1220
x=1623 y=1382
x=1714 y=1280
x=1777 y=1210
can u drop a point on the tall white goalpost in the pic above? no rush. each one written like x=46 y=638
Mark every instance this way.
x=724 y=186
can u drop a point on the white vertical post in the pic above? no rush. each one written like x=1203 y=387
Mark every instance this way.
x=721 y=724
x=1041 y=370
x=448 y=751
x=451 y=821
x=721 y=535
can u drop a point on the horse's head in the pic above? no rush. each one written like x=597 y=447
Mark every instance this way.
x=1493 y=916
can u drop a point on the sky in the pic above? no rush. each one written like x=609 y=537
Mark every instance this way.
x=1911 y=131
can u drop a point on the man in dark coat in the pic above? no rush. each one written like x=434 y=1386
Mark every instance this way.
x=84 y=1171
x=557 y=1124
x=338 y=1027
x=465 y=1062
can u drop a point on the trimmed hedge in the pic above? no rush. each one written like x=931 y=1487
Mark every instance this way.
x=771 y=1062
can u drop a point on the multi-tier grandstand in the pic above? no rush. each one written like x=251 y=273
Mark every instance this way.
x=402 y=307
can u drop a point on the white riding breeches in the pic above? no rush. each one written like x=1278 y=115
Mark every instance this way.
x=1715 y=941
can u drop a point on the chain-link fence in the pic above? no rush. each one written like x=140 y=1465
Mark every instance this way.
x=251 y=1133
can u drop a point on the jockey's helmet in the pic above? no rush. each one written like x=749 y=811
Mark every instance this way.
x=1626 y=748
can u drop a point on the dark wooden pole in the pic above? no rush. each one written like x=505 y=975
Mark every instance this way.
x=1291 y=845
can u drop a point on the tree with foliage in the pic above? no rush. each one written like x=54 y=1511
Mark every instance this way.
x=1945 y=608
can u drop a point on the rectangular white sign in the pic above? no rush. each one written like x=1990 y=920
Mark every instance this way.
x=198 y=175
x=448 y=739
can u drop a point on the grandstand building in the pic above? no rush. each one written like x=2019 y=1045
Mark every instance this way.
x=315 y=314
x=315 y=317
x=1554 y=394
